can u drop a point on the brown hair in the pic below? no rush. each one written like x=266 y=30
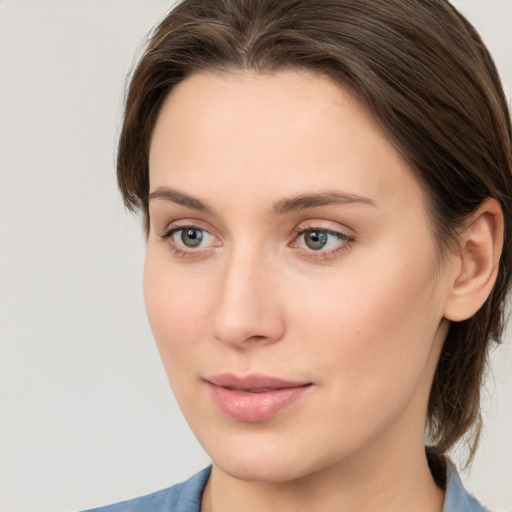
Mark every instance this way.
x=423 y=71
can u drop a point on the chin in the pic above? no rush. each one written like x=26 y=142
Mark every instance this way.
x=271 y=458
x=271 y=470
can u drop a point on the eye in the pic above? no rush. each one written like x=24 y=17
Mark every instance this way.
x=186 y=240
x=316 y=240
x=324 y=242
x=191 y=237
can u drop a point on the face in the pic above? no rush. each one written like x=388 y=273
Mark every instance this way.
x=291 y=281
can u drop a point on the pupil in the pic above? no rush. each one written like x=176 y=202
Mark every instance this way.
x=315 y=240
x=191 y=237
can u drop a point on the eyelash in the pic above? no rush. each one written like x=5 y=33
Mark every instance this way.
x=301 y=231
x=324 y=254
x=179 y=250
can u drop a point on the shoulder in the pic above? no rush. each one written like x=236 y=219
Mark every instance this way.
x=457 y=498
x=182 y=497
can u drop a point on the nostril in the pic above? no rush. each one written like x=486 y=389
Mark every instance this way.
x=257 y=337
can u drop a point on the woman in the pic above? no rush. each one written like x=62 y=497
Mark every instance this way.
x=326 y=192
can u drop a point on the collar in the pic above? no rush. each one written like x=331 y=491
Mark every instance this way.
x=457 y=499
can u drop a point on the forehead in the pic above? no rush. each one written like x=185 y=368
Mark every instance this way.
x=293 y=129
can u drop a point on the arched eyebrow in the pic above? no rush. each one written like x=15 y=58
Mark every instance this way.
x=281 y=207
x=169 y=194
x=328 y=198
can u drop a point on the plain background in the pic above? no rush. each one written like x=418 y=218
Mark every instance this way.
x=87 y=415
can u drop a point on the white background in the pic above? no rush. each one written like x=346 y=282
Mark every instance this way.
x=86 y=414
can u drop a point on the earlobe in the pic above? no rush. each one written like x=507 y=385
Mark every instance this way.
x=476 y=268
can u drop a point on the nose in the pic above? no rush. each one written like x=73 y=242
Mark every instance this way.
x=247 y=310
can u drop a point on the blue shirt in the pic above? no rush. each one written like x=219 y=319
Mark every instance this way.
x=186 y=497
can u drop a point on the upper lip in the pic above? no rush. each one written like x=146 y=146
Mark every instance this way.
x=253 y=382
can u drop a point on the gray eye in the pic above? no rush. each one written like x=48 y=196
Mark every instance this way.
x=315 y=240
x=192 y=237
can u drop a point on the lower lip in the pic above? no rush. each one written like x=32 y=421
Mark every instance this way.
x=254 y=407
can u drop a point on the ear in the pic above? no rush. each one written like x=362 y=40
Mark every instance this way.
x=476 y=265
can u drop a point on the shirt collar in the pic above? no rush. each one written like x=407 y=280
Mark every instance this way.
x=457 y=498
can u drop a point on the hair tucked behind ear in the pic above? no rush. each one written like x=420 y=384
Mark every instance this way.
x=425 y=74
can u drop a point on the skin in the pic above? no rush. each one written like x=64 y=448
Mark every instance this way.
x=363 y=324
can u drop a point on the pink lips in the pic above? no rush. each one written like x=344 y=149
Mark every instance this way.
x=253 y=398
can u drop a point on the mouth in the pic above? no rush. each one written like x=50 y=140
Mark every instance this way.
x=254 y=398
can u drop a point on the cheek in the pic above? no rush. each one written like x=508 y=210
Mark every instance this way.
x=177 y=309
x=374 y=324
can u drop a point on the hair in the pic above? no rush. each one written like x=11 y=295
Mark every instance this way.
x=425 y=74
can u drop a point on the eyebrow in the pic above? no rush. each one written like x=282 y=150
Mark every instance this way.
x=281 y=207
x=174 y=196
x=329 y=198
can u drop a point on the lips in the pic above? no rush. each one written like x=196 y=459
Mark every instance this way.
x=254 y=398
